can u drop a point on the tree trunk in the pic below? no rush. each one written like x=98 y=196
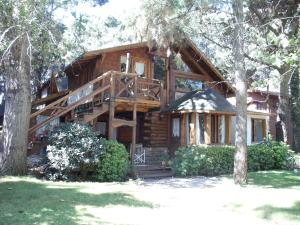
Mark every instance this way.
x=240 y=157
x=17 y=110
x=295 y=98
x=283 y=108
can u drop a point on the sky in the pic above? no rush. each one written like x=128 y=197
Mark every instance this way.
x=117 y=8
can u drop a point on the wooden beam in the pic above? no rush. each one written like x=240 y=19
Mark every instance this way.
x=187 y=75
x=182 y=130
x=119 y=122
x=207 y=129
x=111 y=106
x=133 y=144
x=193 y=129
x=193 y=61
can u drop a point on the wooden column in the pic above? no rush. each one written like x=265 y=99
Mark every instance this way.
x=133 y=144
x=182 y=130
x=207 y=129
x=228 y=129
x=111 y=106
x=193 y=129
x=264 y=128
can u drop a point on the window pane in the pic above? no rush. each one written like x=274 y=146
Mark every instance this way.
x=222 y=129
x=200 y=128
x=123 y=63
x=176 y=128
x=159 y=68
x=139 y=68
x=259 y=130
x=188 y=85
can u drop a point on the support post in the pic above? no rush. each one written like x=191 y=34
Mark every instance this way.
x=193 y=129
x=207 y=129
x=133 y=145
x=183 y=130
x=111 y=106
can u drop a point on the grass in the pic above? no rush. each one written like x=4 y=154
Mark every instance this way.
x=275 y=179
x=30 y=201
x=271 y=197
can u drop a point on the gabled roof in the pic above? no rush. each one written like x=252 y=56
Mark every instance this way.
x=202 y=101
x=191 y=55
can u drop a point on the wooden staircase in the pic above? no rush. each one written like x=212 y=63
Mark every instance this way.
x=88 y=117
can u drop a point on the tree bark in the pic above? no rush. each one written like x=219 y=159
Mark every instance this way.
x=283 y=108
x=240 y=157
x=13 y=149
x=295 y=99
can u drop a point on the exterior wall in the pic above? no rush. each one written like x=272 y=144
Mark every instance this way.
x=270 y=106
x=249 y=127
x=111 y=60
x=156 y=130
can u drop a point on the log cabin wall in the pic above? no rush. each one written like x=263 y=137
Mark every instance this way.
x=156 y=130
x=112 y=60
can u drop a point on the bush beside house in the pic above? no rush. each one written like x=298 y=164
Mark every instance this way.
x=217 y=160
x=75 y=152
x=114 y=163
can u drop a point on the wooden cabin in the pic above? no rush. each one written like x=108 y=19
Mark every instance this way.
x=152 y=100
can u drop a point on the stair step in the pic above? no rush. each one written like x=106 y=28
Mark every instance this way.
x=151 y=167
x=155 y=175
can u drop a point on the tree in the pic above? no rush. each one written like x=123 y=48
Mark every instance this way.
x=240 y=157
x=277 y=26
x=28 y=35
x=295 y=102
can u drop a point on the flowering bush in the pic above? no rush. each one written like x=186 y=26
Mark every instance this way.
x=73 y=151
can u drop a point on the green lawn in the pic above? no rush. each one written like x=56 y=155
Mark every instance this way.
x=271 y=197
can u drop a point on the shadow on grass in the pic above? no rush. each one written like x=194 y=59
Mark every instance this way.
x=25 y=202
x=292 y=212
x=275 y=179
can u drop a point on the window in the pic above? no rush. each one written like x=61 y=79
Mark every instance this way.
x=200 y=128
x=258 y=129
x=175 y=127
x=139 y=69
x=44 y=93
x=159 y=68
x=187 y=128
x=123 y=63
x=62 y=83
x=188 y=85
x=218 y=129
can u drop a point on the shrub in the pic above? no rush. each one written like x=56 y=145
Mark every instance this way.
x=73 y=150
x=201 y=160
x=114 y=163
x=216 y=160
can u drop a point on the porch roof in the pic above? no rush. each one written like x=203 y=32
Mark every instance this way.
x=207 y=100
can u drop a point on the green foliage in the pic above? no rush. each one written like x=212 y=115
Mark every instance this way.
x=114 y=163
x=216 y=160
x=73 y=148
x=200 y=160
